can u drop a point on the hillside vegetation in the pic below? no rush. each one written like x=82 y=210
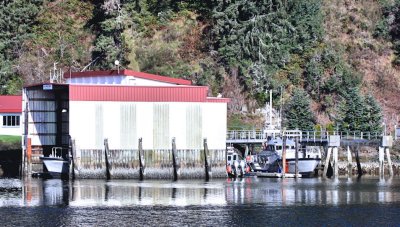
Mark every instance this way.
x=330 y=63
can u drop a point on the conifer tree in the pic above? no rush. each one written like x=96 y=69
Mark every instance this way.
x=297 y=112
x=109 y=44
x=16 y=21
x=352 y=112
x=260 y=37
x=373 y=115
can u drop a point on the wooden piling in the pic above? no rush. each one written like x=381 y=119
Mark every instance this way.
x=106 y=151
x=359 y=170
x=71 y=158
x=141 y=160
x=174 y=162
x=207 y=168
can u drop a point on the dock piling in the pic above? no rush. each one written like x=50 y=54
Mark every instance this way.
x=389 y=160
x=207 y=168
x=359 y=170
x=141 y=160
x=174 y=162
x=335 y=162
x=381 y=151
x=71 y=158
x=328 y=156
x=106 y=151
x=349 y=162
x=387 y=142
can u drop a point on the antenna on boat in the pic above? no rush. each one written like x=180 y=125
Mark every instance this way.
x=270 y=107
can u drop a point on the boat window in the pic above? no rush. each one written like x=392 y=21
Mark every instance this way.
x=234 y=157
x=278 y=147
x=271 y=147
x=229 y=158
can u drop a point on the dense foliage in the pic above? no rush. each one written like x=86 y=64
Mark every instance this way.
x=239 y=48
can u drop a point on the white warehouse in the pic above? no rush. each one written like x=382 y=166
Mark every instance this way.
x=123 y=106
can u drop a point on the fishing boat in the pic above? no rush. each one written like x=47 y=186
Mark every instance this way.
x=235 y=163
x=270 y=158
x=56 y=163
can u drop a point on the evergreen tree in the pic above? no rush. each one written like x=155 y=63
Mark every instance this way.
x=352 y=112
x=109 y=44
x=260 y=37
x=297 y=112
x=373 y=115
x=16 y=21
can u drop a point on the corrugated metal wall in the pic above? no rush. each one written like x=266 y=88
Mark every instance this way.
x=128 y=129
x=138 y=93
x=161 y=137
x=123 y=123
x=99 y=126
x=194 y=126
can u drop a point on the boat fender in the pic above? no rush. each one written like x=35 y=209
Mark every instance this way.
x=248 y=169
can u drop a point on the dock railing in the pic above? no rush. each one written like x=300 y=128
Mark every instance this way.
x=259 y=136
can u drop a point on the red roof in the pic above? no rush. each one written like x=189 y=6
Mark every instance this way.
x=138 y=93
x=127 y=72
x=10 y=104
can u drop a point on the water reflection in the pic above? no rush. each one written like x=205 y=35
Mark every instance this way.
x=255 y=191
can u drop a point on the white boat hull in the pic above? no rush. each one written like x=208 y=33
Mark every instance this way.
x=55 y=165
x=304 y=165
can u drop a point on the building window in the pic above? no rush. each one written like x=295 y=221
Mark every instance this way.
x=10 y=121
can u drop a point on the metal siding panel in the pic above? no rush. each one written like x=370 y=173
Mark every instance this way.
x=161 y=138
x=99 y=123
x=137 y=93
x=194 y=126
x=128 y=126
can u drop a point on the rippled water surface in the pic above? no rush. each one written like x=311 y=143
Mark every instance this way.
x=250 y=201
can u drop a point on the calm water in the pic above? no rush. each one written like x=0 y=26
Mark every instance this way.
x=247 y=202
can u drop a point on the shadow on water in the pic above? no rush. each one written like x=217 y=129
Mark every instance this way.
x=10 y=162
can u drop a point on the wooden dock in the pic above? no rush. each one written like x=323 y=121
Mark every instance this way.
x=277 y=175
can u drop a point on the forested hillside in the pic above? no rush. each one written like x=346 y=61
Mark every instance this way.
x=335 y=63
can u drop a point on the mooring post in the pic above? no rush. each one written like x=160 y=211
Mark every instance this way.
x=359 y=170
x=296 y=165
x=349 y=162
x=207 y=168
x=106 y=151
x=174 y=163
x=141 y=160
x=71 y=158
